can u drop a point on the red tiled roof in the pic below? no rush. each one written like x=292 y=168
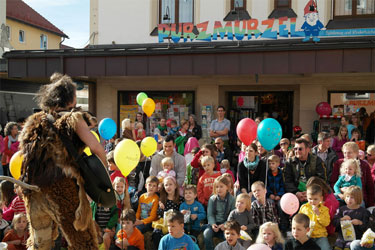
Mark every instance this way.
x=20 y=11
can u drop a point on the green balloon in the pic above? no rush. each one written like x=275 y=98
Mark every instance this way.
x=141 y=97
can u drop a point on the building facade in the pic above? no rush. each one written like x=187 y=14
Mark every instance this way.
x=252 y=56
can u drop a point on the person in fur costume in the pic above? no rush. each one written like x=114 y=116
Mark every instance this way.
x=55 y=197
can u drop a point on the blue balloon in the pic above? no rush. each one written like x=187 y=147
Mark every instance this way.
x=269 y=133
x=350 y=127
x=107 y=128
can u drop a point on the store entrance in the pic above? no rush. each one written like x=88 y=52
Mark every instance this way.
x=278 y=105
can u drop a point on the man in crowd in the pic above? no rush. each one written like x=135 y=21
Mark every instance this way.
x=325 y=152
x=300 y=168
x=168 y=151
x=220 y=127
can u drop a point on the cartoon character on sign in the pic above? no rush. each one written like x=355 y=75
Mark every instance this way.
x=312 y=25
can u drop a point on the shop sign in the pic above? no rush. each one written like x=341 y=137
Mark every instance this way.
x=255 y=29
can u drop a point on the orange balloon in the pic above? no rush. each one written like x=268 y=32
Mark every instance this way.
x=148 y=106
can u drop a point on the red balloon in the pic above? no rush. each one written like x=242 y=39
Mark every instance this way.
x=323 y=108
x=247 y=131
x=168 y=122
x=240 y=101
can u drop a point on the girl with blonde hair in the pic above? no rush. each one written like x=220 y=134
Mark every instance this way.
x=270 y=235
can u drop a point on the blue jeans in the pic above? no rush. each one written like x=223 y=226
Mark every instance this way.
x=322 y=242
x=355 y=245
x=208 y=235
x=144 y=228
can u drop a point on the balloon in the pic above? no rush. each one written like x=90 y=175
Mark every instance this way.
x=148 y=146
x=323 y=108
x=141 y=97
x=247 y=131
x=269 y=133
x=107 y=128
x=148 y=106
x=289 y=203
x=87 y=149
x=259 y=247
x=15 y=165
x=127 y=156
x=240 y=101
x=350 y=127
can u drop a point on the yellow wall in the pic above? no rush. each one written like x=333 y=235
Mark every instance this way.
x=32 y=36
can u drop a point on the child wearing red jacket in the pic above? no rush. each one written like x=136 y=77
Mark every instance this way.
x=206 y=181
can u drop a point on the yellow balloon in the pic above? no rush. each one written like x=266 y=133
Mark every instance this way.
x=127 y=156
x=148 y=106
x=87 y=149
x=96 y=135
x=15 y=165
x=148 y=146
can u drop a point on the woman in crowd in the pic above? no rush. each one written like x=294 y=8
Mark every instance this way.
x=194 y=128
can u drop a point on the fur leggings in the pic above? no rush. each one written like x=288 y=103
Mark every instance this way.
x=53 y=207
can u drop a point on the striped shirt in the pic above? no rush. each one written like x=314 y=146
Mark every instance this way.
x=103 y=215
x=18 y=205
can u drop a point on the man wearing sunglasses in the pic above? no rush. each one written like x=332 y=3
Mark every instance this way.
x=300 y=168
x=325 y=152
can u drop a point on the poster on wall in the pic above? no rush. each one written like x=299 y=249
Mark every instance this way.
x=128 y=111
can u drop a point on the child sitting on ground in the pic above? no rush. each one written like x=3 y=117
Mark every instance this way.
x=264 y=210
x=16 y=238
x=148 y=205
x=225 y=168
x=192 y=210
x=205 y=183
x=270 y=235
x=300 y=229
x=176 y=238
x=128 y=236
x=350 y=176
x=242 y=214
x=219 y=206
x=318 y=214
x=106 y=218
x=231 y=182
x=352 y=212
x=232 y=235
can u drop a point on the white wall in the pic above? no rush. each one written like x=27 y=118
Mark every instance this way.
x=131 y=21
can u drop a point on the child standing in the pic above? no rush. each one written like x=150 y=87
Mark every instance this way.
x=129 y=236
x=16 y=238
x=174 y=128
x=106 y=218
x=193 y=210
x=176 y=238
x=169 y=199
x=122 y=195
x=300 y=229
x=232 y=235
x=353 y=212
x=139 y=131
x=148 y=205
x=219 y=206
x=167 y=164
x=205 y=183
x=264 y=210
x=270 y=235
x=350 y=176
x=318 y=214
x=242 y=214
x=225 y=168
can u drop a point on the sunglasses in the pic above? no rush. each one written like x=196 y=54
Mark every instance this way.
x=283 y=143
x=369 y=154
x=299 y=149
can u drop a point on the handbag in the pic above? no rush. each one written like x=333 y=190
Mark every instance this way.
x=97 y=181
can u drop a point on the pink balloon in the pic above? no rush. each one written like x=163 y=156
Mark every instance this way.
x=247 y=131
x=289 y=203
x=259 y=247
x=323 y=108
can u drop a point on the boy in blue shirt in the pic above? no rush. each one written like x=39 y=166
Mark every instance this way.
x=192 y=210
x=176 y=239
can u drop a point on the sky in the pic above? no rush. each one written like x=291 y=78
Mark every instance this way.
x=70 y=16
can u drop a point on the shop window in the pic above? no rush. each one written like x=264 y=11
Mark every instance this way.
x=354 y=8
x=347 y=103
x=43 y=41
x=238 y=11
x=21 y=36
x=282 y=8
x=7 y=28
x=82 y=95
